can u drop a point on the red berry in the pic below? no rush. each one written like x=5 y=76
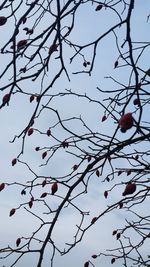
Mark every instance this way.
x=21 y=44
x=86 y=264
x=130 y=189
x=30 y=131
x=126 y=122
x=2 y=186
x=54 y=188
x=3 y=20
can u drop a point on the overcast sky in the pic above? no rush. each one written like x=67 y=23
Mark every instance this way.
x=14 y=118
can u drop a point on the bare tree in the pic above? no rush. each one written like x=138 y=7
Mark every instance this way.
x=42 y=50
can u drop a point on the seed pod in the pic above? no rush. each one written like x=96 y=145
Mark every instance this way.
x=99 y=7
x=118 y=236
x=31 y=98
x=112 y=260
x=108 y=179
x=48 y=132
x=64 y=144
x=116 y=64
x=120 y=205
x=43 y=183
x=2 y=186
x=3 y=20
x=119 y=173
x=106 y=194
x=136 y=102
x=54 y=188
x=97 y=173
x=136 y=157
x=75 y=167
x=94 y=256
x=128 y=172
x=5 y=99
x=18 y=241
x=24 y=19
x=12 y=212
x=23 y=192
x=104 y=118
x=43 y=195
x=28 y=31
x=38 y=97
x=30 y=203
x=53 y=48
x=23 y=70
x=84 y=64
x=14 y=161
x=148 y=72
x=93 y=220
x=89 y=158
x=114 y=232
x=44 y=155
x=30 y=131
